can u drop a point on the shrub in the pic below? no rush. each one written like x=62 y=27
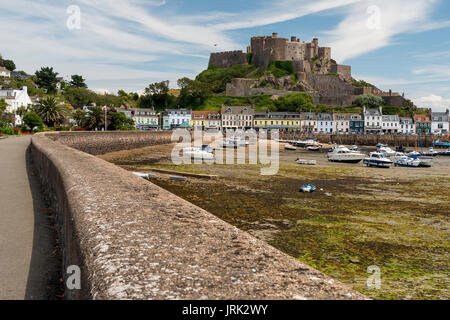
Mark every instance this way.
x=7 y=131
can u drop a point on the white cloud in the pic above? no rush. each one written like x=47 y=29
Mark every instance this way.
x=118 y=39
x=360 y=31
x=437 y=103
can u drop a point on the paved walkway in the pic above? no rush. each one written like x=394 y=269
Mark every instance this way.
x=27 y=259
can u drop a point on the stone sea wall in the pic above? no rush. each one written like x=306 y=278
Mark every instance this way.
x=135 y=240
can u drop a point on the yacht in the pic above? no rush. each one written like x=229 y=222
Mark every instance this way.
x=407 y=162
x=388 y=152
x=378 y=159
x=343 y=154
x=198 y=153
x=430 y=153
x=290 y=147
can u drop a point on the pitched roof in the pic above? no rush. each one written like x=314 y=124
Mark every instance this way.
x=4 y=69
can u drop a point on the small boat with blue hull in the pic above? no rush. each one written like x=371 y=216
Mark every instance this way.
x=407 y=162
x=378 y=159
x=430 y=153
x=425 y=162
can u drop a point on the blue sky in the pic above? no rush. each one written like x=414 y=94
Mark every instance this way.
x=403 y=45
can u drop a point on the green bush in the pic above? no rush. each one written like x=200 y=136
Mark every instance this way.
x=281 y=68
x=217 y=78
x=361 y=84
x=7 y=131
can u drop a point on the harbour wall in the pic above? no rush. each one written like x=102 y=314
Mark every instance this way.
x=411 y=141
x=134 y=240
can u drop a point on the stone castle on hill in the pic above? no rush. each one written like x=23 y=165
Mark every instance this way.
x=316 y=72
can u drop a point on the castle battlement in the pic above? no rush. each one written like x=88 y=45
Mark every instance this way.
x=265 y=49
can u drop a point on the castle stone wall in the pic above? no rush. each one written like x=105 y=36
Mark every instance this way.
x=344 y=71
x=227 y=59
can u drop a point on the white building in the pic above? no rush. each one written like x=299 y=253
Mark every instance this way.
x=407 y=126
x=178 y=117
x=5 y=72
x=439 y=122
x=390 y=123
x=372 y=120
x=145 y=119
x=16 y=99
x=342 y=122
x=325 y=123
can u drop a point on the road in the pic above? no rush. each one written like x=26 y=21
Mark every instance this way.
x=28 y=260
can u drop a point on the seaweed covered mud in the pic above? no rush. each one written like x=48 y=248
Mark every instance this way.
x=394 y=220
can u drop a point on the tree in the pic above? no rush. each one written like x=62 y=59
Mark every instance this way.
x=79 y=97
x=119 y=121
x=157 y=96
x=77 y=82
x=8 y=64
x=51 y=112
x=3 y=105
x=193 y=92
x=21 y=111
x=95 y=119
x=295 y=102
x=80 y=117
x=32 y=120
x=46 y=79
x=369 y=101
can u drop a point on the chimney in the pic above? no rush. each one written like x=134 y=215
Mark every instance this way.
x=275 y=35
x=25 y=89
x=293 y=39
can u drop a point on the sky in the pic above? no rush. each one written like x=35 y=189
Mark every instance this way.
x=403 y=45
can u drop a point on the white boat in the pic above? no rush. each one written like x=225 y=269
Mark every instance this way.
x=430 y=153
x=289 y=147
x=314 y=148
x=378 y=159
x=197 y=153
x=306 y=162
x=412 y=153
x=233 y=143
x=343 y=154
x=425 y=162
x=398 y=156
x=407 y=162
x=354 y=148
x=388 y=152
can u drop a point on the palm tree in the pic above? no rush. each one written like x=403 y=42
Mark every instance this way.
x=51 y=112
x=95 y=118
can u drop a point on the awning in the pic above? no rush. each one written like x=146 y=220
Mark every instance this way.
x=185 y=125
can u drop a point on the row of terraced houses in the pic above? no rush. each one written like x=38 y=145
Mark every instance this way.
x=370 y=121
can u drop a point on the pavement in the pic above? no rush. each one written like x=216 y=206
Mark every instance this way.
x=28 y=259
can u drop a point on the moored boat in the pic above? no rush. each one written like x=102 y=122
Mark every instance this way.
x=377 y=159
x=290 y=147
x=407 y=162
x=387 y=152
x=306 y=162
x=343 y=154
x=197 y=153
x=314 y=148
